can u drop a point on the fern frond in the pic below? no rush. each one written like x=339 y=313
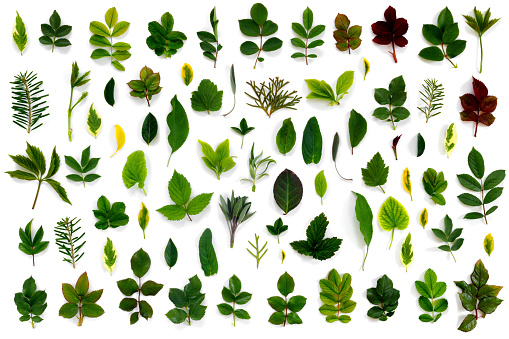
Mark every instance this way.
x=67 y=240
x=28 y=101
x=431 y=97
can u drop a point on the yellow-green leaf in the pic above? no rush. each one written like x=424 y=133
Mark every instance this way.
x=109 y=256
x=143 y=218
x=283 y=256
x=111 y=17
x=367 y=67
x=94 y=121
x=407 y=184
x=407 y=252
x=187 y=74
x=120 y=136
x=489 y=244
x=451 y=138
x=423 y=219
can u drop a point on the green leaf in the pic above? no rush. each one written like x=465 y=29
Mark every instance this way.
x=286 y=137
x=480 y=275
x=393 y=215
x=296 y=303
x=469 y=182
x=149 y=128
x=277 y=318
x=176 y=316
x=19 y=34
x=128 y=304
x=208 y=258
x=476 y=163
x=120 y=28
x=320 y=184
x=285 y=284
x=140 y=263
x=357 y=128
x=259 y=14
x=455 y=48
x=225 y=309
x=432 y=33
x=179 y=189
x=242 y=314
x=468 y=324
x=173 y=212
x=425 y=304
x=135 y=170
x=489 y=244
x=493 y=195
x=207 y=97
x=170 y=254
x=432 y=53
x=111 y=17
x=364 y=215
x=494 y=179
x=82 y=285
x=99 y=28
x=277 y=303
x=382 y=96
x=312 y=142
x=345 y=81
x=272 y=44
x=307 y=18
x=178 y=125
x=407 y=252
x=68 y=310
x=469 y=199
x=92 y=310
x=375 y=173
x=287 y=191
x=109 y=256
x=198 y=203
x=150 y=288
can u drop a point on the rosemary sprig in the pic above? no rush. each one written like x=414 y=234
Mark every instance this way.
x=236 y=211
x=431 y=97
x=256 y=247
x=271 y=97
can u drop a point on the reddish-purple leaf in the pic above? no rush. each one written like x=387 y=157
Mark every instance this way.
x=390 y=31
x=478 y=107
x=395 y=145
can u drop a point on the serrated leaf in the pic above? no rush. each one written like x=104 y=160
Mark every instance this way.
x=207 y=98
x=407 y=252
x=451 y=138
x=135 y=171
x=94 y=121
x=109 y=256
x=375 y=173
x=393 y=215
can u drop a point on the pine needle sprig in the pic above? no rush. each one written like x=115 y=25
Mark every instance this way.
x=431 y=96
x=28 y=101
x=271 y=97
x=68 y=240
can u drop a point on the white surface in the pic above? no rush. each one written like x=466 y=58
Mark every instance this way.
x=190 y=17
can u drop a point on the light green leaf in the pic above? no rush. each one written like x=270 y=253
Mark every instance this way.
x=135 y=170
x=320 y=185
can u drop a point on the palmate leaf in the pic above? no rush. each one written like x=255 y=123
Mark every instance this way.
x=390 y=31
x=376 y=173
x=207 y=98
x=28 y=101
x=84 y=166
x=316 y=245
x=32 y=246
x=110 y=215
x=30 y=302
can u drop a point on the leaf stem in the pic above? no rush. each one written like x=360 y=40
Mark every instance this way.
x=37 y=194
x=394 y=53
x=381 y=188
x=392 y=238
x=217 y=51
x=259 y=50
x=483 y=206
x=69 y=112
x=447 y=57
x=480 y=42
x=367 y=250
x=29 y=101
x=306 y=48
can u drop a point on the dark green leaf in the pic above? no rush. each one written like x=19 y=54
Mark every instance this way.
x=312 y=142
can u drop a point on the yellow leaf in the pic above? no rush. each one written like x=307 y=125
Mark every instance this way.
x=489 y=244
x=451 y=138
x=94 y=121
x=120 y=136
x=109 y=256
x=367 y=67
x=407 y=184
x=424 y=218
x=143 y=218
x=187 y=74
x=283 y=256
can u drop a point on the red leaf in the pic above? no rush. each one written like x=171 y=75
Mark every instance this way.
x=391 y=31
x=489 y=104
x=487 y=119
x=480 y=89
x=400 y=41
x=400 y=27
x=380 y=28
x=390 y=15
x=469 y=102
x=469 y=116
x=383 y=39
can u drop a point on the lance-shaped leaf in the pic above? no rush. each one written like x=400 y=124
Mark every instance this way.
x=320 y=185
x=19 y=34
x=312 y=142
x=451 y=138
x=208 y=257
x=407 y=184
x=109 y=256
x=357 y=128
x=364 y=215
x=179 y=126
x=143 y=218
x=94 y=121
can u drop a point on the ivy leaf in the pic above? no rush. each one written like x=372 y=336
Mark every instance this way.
x=207 y=97
x=135 y=171
x=208 y=258
x=170 y=254
x=393 y=215
x=375 y=173
x=312 y=142
x=287 y=191
x=316 y=245
x=149 y=128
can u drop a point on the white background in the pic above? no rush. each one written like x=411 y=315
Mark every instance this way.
x=192 y=16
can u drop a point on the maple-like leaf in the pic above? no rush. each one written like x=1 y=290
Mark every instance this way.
x=478 y=107
x=390 y=31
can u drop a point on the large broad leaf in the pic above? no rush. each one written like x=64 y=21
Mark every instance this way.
x=393 y=215
x=375 y=173
x=208 y=257
x=287 y=190
x=178 y=125
x=364 y=215
x=312 y=142
x=135 y=170
x=357 y=127
x=207 y=97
